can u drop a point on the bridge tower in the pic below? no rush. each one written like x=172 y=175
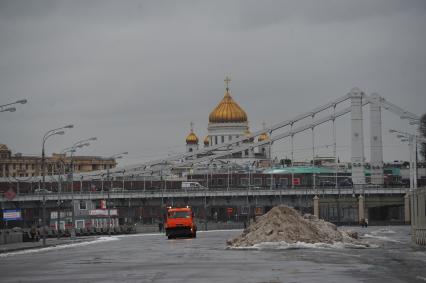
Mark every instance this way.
x=357 y=138
x=376 y=145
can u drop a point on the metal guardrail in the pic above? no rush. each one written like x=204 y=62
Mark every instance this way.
x=141 y=194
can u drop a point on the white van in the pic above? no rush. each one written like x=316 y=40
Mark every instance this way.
x=191 y=185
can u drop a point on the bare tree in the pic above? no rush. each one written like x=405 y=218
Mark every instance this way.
x=422 y=129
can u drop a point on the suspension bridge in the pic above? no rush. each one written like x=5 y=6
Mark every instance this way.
x=411 y=202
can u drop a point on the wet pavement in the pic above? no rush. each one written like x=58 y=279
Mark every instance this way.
x=153 y=258
x=7 y=248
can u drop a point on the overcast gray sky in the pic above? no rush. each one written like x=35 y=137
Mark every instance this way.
x=135 y=73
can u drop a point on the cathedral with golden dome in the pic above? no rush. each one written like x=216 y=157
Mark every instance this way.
x=228 y=121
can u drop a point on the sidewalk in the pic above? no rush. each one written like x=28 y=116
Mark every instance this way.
x=50 y=242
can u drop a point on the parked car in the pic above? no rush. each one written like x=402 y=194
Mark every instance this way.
x=327 y=184
x=346 y=183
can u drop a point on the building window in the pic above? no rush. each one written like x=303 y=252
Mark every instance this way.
x=243 y=181
x=215 y=139
x=79 y=224
x=283 y=182
x=333 y=212
x=82 y=205
x=223 y=139
x=268 y=181
x=257 y=182
x=230 y=138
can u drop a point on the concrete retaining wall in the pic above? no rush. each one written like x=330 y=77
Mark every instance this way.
x=418 y=213
x=10 y=237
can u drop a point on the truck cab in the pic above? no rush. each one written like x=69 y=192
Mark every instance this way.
x=180 y=222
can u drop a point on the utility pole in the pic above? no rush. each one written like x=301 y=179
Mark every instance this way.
x=108 y=206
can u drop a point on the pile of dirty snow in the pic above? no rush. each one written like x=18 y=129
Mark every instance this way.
x=285 y=224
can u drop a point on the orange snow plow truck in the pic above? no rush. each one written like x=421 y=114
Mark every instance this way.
x=180 y=222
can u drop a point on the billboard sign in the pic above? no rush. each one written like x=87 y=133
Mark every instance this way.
x=229 y=210
x=12 y=214
x=103 y=212
x=296 y=181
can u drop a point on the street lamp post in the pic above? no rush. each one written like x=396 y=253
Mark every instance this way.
x=72 y=149
x=228 y=175
x=108 y=206
x=59 y=202
x=412 y=139
x=116 y=156
x=48 y=134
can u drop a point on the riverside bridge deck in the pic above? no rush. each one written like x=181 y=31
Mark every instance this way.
x=232 y=192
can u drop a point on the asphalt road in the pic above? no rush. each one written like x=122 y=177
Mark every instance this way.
x=153 y=258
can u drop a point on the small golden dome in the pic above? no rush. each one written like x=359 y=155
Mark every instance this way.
x=228 y=111
x=263 y=137
x=206 y=140
x=192 y=138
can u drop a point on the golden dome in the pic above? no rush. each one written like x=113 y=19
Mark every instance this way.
x=206 y=140
x=263 y=137
x=192 y=138
x=228 y=111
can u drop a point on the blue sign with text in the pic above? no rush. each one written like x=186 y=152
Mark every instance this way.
x=12 y=214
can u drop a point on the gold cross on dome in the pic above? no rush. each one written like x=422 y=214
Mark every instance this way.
x=192 y=126
x=227 y=80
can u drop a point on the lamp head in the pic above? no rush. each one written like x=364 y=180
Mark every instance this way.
x=59 y=133
x=22 y=101
x=69 y=126
x=83 y=145
x=9 y=109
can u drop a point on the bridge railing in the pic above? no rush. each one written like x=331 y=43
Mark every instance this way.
x=252 y=191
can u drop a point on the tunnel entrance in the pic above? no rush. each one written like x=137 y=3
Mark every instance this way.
x=385 y=215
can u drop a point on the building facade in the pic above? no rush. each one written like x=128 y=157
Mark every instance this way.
x=17 y=165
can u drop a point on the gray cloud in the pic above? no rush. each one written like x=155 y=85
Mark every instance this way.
x=135 y=73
